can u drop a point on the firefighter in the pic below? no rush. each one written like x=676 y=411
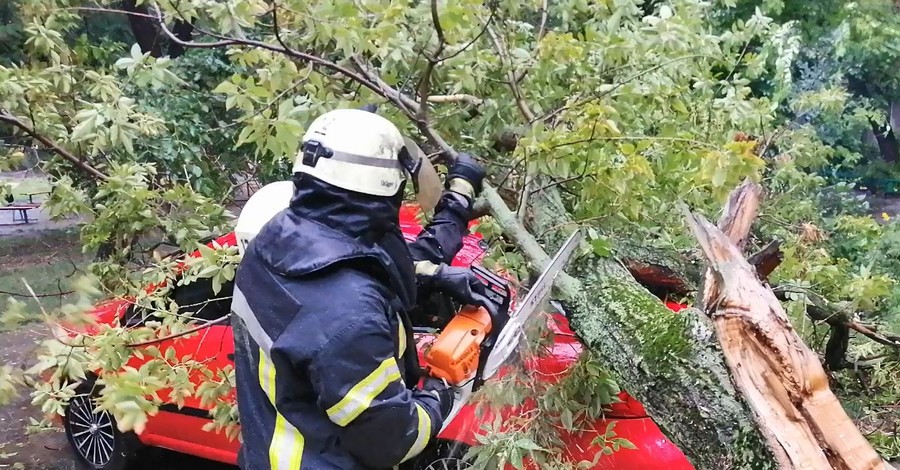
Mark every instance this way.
x=326 y=367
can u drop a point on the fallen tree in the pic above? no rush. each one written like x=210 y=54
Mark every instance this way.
x=651 y=350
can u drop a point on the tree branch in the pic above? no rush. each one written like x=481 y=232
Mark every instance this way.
x=437 y=25
x=543 y=28
x=632 y=138
x=10 y=119
x=519 y=76
x=511 y=226
x=559 y=182
x=181 y=333
x=474 y=40
x=456 y=98
x=616 y=86
x=821 y=310
x=294 y=54
x=524 y=109
x=16 y=294
x=767 y=259
x=424 y=88
x=111 y=10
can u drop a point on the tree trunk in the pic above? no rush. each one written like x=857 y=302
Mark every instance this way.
x=146 y=34
x=183 y=31
x=887 y=143
x=669 y=361
x=781 y=378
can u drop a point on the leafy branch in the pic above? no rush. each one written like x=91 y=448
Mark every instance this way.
x=8 y=118
x=189 y=331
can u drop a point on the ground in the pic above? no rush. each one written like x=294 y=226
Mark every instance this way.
x=47 y=254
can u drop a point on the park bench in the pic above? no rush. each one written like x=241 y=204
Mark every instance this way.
x=20 y=210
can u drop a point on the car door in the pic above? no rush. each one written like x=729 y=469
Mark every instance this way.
x=212 y=348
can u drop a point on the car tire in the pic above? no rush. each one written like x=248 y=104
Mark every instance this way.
x=94 y=437
x=443 y=455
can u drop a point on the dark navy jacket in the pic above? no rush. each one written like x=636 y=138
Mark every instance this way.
x=326 y=369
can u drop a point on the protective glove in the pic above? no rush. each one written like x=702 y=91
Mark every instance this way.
x=460 y=283
x=466 y=177
x=442 y=391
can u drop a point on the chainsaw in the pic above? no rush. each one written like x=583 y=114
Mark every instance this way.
x=478 y=341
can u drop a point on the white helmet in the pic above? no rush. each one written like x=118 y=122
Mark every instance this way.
x=260 y=208
x=361 y=151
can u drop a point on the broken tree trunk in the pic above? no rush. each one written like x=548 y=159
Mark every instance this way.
x=669 y=361
x=782 y=380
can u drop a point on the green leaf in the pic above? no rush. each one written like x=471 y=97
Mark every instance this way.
x=207 y=253
x=566 y=418
x=719 y=176
x=217 y=284
x=626 y=444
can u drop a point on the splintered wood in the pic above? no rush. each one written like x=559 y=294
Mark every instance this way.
x=781 y=379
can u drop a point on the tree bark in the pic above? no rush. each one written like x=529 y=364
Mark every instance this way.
x=146 y=34
x=766 y=260
x=887 y=143
x=669 y=361
x=184 y=31
x=802 y=421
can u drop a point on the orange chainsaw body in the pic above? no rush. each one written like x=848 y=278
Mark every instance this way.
x=455 y=353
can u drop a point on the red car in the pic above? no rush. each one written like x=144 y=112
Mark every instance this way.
x=98 y=444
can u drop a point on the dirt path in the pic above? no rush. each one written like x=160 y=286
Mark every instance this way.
x=880 y=205
x=43 y=450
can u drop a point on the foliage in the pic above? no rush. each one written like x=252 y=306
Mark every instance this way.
x=11 y=34
x=541 y=411
x=627 y=108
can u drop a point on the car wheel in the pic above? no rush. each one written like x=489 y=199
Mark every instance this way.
x=448 y=463
x=443 y=455
x=94 y=437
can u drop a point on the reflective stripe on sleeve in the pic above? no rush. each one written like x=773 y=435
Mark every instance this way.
x=402 y=336
x=267 y=376
x=423 y=436
x=286 y=448
x=241 y=308
x=361 y=395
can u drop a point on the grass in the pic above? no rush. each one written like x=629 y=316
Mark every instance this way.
x=49 y=261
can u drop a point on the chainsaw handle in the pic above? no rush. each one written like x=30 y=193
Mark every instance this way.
x=499 y=295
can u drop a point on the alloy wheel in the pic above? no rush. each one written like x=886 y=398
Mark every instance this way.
x=448 y=463
x=92 y=432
